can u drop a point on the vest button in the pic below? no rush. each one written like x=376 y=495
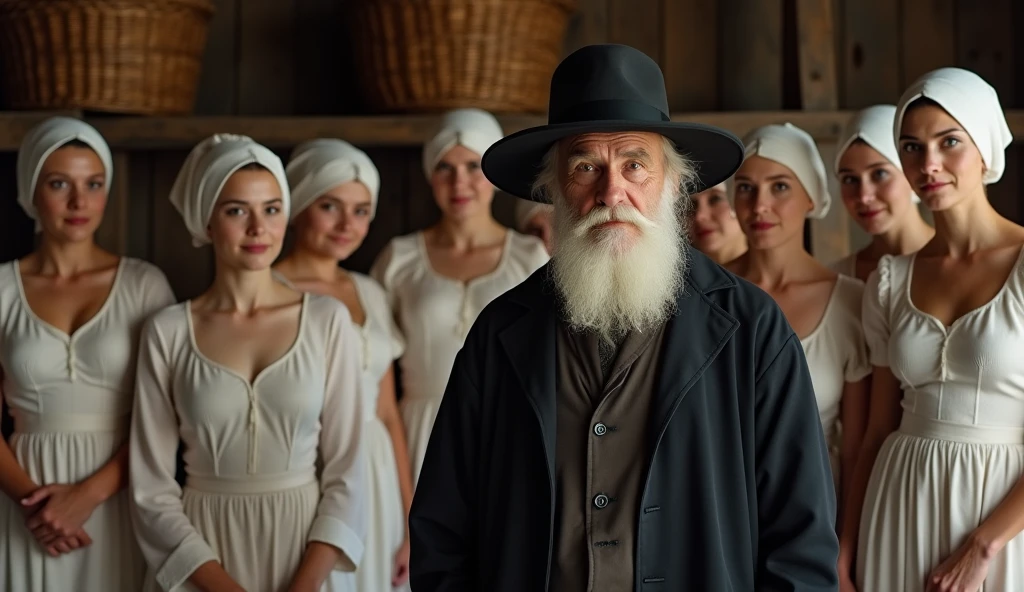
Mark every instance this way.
x=600 y=501
x=600 y=429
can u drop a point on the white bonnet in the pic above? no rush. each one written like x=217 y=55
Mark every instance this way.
x=972 y=102
x=474 y=129
x=795 y=149
x=208 y=167
x=873 y=126
x=526 y=209
x=317 y=166
x=39 y=143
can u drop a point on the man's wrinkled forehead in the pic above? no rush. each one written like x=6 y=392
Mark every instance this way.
x=638 y=145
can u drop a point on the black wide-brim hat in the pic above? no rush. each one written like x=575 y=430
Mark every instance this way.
x=609 y=88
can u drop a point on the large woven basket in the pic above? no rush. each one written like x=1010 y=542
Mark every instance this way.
x=123 y=56
x=433 y=55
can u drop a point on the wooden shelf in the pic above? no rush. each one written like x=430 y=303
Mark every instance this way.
x=181 y=133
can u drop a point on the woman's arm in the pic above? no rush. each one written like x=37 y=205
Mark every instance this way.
x=387 y=411
x=171 y=545
x=883 y=418
x=339 y=529
x=853 y=416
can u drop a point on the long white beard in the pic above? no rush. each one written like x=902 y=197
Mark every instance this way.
x=619 y=280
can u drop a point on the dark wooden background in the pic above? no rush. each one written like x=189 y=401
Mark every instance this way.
x=287 y=58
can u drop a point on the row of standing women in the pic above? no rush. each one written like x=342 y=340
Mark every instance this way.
x=915 y=372
x=300 y=465
x=276 y=383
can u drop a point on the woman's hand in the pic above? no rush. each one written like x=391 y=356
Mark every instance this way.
x=963 y=571
x=63 y=509
x=400 y=574
x=79 y=540
x=845 y=574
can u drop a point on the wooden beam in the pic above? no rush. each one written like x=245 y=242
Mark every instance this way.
x=751 y=54
x=15 y=124
x=689 y=55
x=816 y=32
x=170 y=133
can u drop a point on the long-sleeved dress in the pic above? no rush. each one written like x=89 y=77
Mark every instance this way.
x=71 y=398
x=254 y=496
x=959 y=449
x=435 y=313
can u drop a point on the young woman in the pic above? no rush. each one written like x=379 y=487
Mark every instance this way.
x=334 y=189
x=70 y=316
x=876 y=193
x=940 y=472
x=536 y=219
x=715 y=229
x=780 y=184
x=261 y=383
x=439 y=280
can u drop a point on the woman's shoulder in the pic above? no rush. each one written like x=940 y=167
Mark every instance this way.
x=527 y=249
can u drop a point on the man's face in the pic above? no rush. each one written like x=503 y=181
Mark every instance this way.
x=613 y=185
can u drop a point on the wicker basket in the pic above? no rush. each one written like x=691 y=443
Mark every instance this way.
x=434 y=55
x=122 y=56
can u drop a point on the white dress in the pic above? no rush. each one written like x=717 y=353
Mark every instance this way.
x=71 y=399
x=381 y=345
x=960 y=446
x=836 y=354
x=435 y=313
x=254 y=496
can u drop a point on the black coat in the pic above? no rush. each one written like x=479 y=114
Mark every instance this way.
x=738 y=492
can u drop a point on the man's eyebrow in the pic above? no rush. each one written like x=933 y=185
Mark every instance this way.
x=637 y=154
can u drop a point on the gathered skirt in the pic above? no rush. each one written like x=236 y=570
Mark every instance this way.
x=113 y=562
x=260 y=538
x=418 y=415
x=387 y=514
x=933 y=484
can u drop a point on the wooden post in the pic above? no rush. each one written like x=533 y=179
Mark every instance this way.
x=830 y=236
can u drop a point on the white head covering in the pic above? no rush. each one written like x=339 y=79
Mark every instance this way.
x=795 y=149
x=319 y=165
x=873 y=126
x=474 y=129
x=39 y=143
x=527 y=209
x=207 y=168
x=972 y=102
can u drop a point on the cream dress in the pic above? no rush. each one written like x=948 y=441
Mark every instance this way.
x=960 y=446
x=71 y=398
x=381 y=344
x=435 y=313
x=254 y=496
x=836 y=354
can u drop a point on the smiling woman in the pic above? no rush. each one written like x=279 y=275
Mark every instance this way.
x=942 y=469
x=780 y=184
x=876 y=194
x=70 y=315
x=438 y=280
x=715 y=229
x=260 y=383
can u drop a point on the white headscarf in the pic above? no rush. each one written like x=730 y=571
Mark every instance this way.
x=972 y=102
x=527 y=209
x=317 y=166
x=873 y=126
x=474 y=129
x=42 y=141
x=795 y=149
x=207 y=168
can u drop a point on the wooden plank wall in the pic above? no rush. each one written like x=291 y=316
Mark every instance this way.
x=267 y=57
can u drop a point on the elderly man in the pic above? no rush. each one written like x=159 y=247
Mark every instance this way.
x=632 y=416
